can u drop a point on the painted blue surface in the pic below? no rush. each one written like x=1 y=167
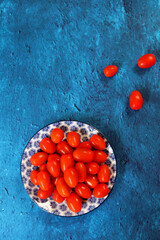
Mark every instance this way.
x=52 y=59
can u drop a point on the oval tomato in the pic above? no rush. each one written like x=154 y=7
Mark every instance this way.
x=71 y=177
x=73 y=139
x=53 y=167
x=92 y=168
x=85 y=144
x=82 y=171
x=110 y=70
x=45 y=194
x=33 y=177
x=74 y=202
x=100 y=191
x=57 y=197
x=83 y=155
x=97 y=142
x=91 y=181
x=43 y=167
x=54 y=157
x=66 y=162
x=99 y=156
x=57 y=135
x=39 y=158
x=146 y=61
x=104 y=174
x=62 y=187
x=83 y=190
x=135 y=100
x=64 y=148
x=44 y=180
x=47 y=145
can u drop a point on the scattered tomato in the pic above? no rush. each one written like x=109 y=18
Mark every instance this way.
x=91 y=180
x=44 y=180
x=104 y=174
x=45 y=194
x=57 y=135
x=64 y=148
x=54 y=157
x=43 y=167
x=146 y=61
x=73 y=139
x=74 y=202
x=33 y=177
x=110 y=70
x=66 y=162
x=99 y=156
x=57 y=197
x=135 y=100
x=83 y=155
x=71 y=177
x=82 y=171
x=97 y=142
x=53 y=167
x=85 y=144
x=62 y=187
x=83 y=190
x=101 y=190
x=92 y=168
x=39 y=158
x=47 y=145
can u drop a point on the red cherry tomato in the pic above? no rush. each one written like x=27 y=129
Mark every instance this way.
x=71 y=177
x=33 y=177
x=66 y=162
x=73 y=139
x=92 y=168
x=135 y=100
x=85 y=144
x=83 y=155
x=62 y=187
x=82 y=171
x=45 y=194
x=83 y=190
x=91 y=181
x=43 y=167
x=146 y=61
x=99 y=156
x=101 y=190
x=47 y=145
x=57 y=197
x=97 y=142
x=54 y=157
x=104 y=174
x=53 y=167
x=39 y=158
x=64 y=148
x=44 y=180
x=57 y=135
x=74 y=202
x=110 y=70
x=54 y=180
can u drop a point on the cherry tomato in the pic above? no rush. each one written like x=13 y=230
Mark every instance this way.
x=82 y=171
x=43 y=167
x=83 y=190
x=104 y=173
x=33 y=177
x=110 y=70
x=47 y=145
x=45 y=194
x=71 y=177
x=146 y=61
x=91 y=181
x=39 y=158
x=99 y=156
x=66 y=162
x=54 y=180
x=97 y=142
x=53 y=167
x=73 y=139
x=44 y=180
x=85 y=144
x=64 y=148
x=62 y=187
x=57 y=135
x=135 y=100
x=83 y=155
x=54 y=156
x=74 y=202
x=101 y=190
x=92 y=168
x=57 y=197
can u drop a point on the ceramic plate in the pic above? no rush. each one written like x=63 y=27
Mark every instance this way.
x=85 y=131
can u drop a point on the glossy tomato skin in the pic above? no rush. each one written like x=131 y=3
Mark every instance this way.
x=39 y=158
x=45 y=194
x=83 y=155
x=104 y=174
x=71 y=177
x=135 y=100
x=99 y=156
x=54 y=180
x=53 y=157
x=92 y=168
x=83 y=190
x=74 y=202
x=91 y=181
x=81 y=171
x=44 y=180
x=73 y=139
x=110 y=70
x=100 y=191
x=33 y=177
x=146 y=61
x=97 y=142
x=62 y=187
x=57 y=135
x=66 y=162
x=43 y=167
x=85 y=144
x=53 y=167
x=64 y=148
x=57 y=197
x=47 y=145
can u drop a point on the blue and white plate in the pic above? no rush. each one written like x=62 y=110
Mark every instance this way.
x=85 y=131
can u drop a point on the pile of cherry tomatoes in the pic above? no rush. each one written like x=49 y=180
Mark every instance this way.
x=70 y=169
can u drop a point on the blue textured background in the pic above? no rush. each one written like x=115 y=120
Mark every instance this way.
x=51 y=68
